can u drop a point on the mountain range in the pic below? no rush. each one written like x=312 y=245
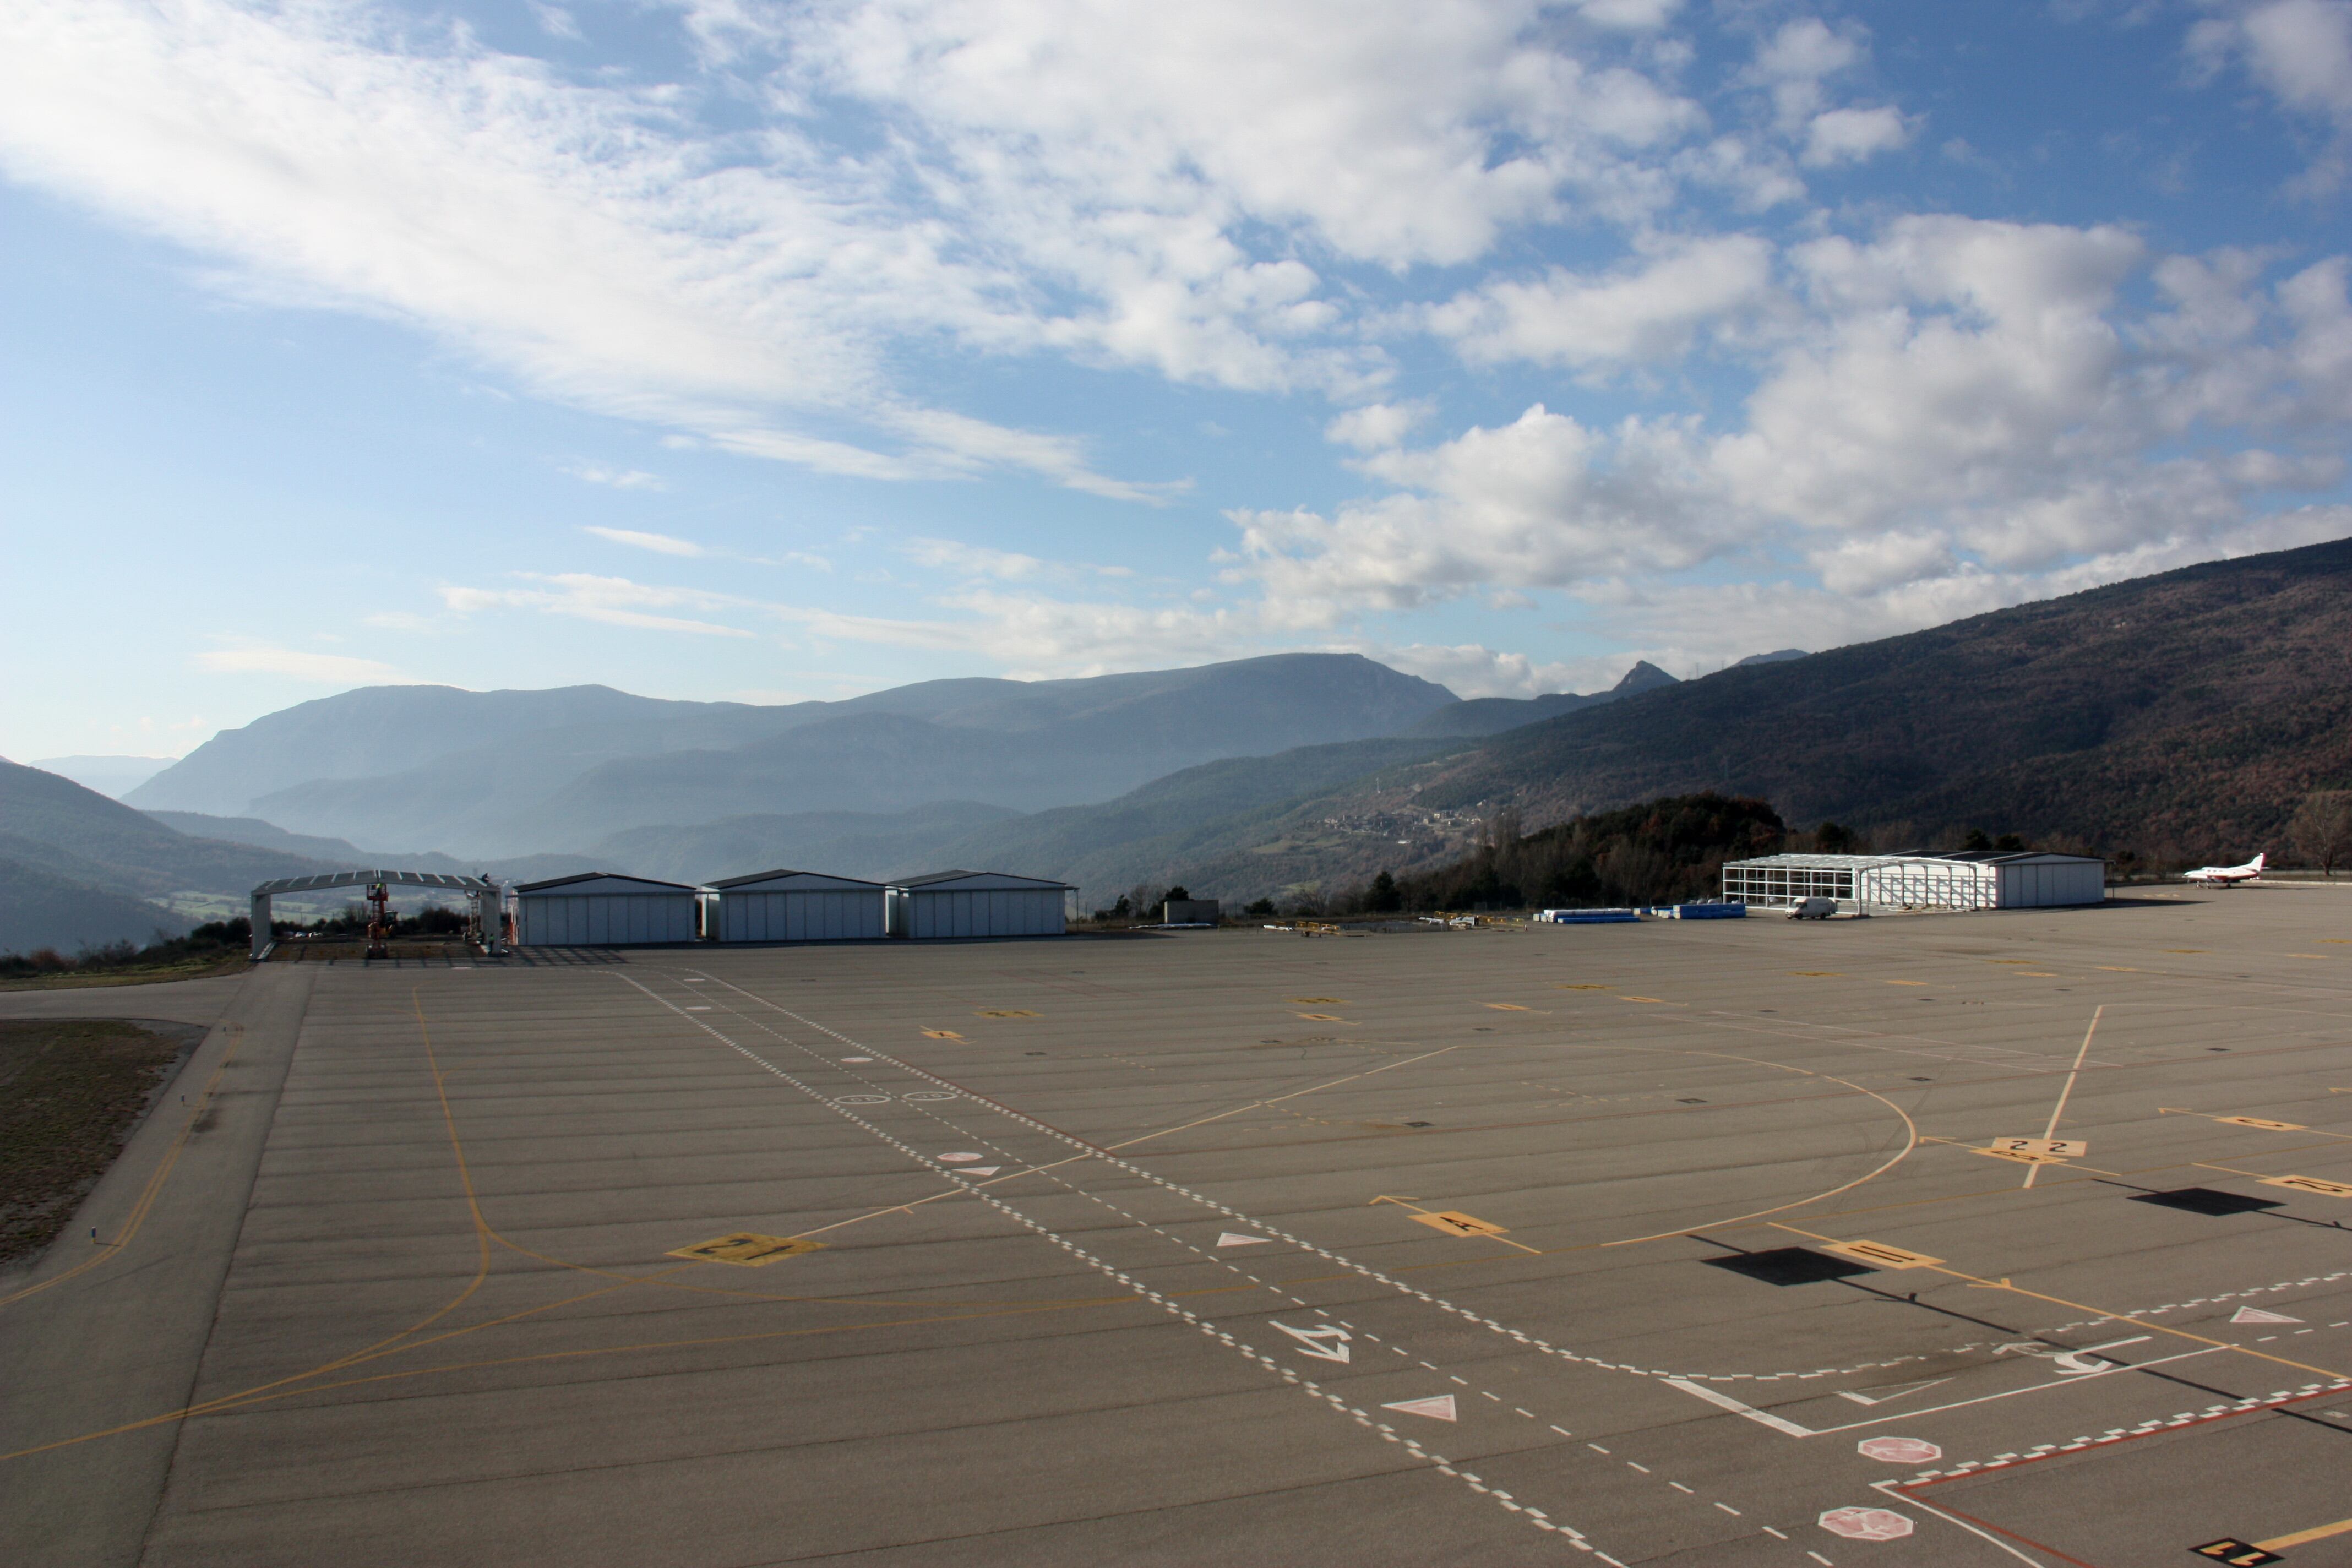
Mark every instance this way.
x=2179 y=716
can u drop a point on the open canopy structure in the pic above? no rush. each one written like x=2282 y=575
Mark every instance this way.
x=484 y=893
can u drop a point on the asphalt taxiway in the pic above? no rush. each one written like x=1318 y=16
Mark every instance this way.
x=1935 y=1239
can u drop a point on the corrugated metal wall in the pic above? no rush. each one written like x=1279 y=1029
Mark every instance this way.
x=610 y=920
x=804 y=915
x=990 y=912
x=2052 y=886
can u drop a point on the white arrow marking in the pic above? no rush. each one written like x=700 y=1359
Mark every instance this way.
x=1438 y=1408
x=1230 y=1238
x=2256 y=1315
x=1325 y=1341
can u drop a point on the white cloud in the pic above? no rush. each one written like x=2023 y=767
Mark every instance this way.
x=1376 y=424
x=2300 y=51
x=299 y=664
x=660 y=543
x=1793 y=63
x=1473 y=669
x=613 y=601
x=1642 y=314
x=619 y=479
x=1854 y=135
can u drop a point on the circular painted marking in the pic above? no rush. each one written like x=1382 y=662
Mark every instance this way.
x=1865 y=1523
x=1899 y=1450
x=863 y=1100
x=965 y=1158
x=930 y=1094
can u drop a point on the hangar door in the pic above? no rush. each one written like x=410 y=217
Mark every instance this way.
x=991 y=911
x=810 y=915
x=612 y=920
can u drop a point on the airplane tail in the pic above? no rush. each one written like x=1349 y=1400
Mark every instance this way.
x=2258 y=862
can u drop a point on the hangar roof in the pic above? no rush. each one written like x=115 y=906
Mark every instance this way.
x=787 y=881
x=325 y=879
x=981 y=882
x=611 y=883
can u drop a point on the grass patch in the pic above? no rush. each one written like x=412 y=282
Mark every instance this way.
x=201 y=966
x=71 y=1092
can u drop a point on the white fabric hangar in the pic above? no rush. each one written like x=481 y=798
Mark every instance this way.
x=795 y=906
x=1962 y=880
x=602 y=909
x=975 y=903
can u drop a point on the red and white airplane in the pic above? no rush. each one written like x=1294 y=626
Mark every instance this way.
x=2226 y=876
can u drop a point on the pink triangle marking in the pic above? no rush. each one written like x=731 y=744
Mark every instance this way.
x=1437 y=1408
x=1230 y=1238
x=2256 y=1315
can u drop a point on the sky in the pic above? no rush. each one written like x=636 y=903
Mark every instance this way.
x=730 y=350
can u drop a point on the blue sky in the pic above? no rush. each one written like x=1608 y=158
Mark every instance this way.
x=723 y=348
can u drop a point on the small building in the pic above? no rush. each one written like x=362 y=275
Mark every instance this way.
x=1915 y=879
x=1191 y=912
x=975 y=903
x=602 y=909
x=795 y=906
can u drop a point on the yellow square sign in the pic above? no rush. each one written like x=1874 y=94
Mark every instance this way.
x=2309 y=1185
x=746 y=1249
x=1454 y=1224
x=1879 y=1255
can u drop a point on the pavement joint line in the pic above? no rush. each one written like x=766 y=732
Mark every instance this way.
x=1208 y=1329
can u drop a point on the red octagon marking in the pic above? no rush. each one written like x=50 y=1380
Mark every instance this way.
x=1899 y=1450
x=1865 y=1523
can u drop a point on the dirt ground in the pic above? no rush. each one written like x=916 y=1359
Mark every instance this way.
x=71 y=1090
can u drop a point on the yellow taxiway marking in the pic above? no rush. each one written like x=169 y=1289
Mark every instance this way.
x=2340 y=941
x=1907 y=983
x=2115 y=969
x=1660 y=1001
x=2188 y=950
x=1819 y=973
x=1324 y=1019
x=1584 y=988
x=2035 y=974
x=2009 y=960
x=1881 y=1255
x=1453 y=1222
x=2016 y=1289
x=1005 y=1013
x=746 y=1249
x=2309 y=1185
x=2303 y=1537
x=2263 y=1123
x=941 y=1035
x=1507 y=1008
x=2061 y=1148
x=2082 y=1054
x=2306 y=955
x=1320 y=1001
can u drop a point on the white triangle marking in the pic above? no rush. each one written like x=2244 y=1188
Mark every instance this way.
x=1440 y=1408
x=1230 y=1238
x=979 y=1170
x=1885 y=1392
x=2256 y=1315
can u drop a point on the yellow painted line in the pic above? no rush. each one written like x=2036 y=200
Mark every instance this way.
x=1320 y=1001
x=2302 y=1537
x=2259 y=1122
x=941 y=1035
x=1584 y=988
x=1658 y=1000
x=1325 y=1018
x=1508 y=1008
x=2009 y=960
x=1907 y=983
x=2188 y=950
x=1819 y=973
x=2036 y=975
x=2115 y=969
x=1005 y=1013
x=2307 y=955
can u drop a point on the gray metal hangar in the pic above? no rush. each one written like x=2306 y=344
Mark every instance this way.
x=795 y=906
x=602 y=909
x=975 y=903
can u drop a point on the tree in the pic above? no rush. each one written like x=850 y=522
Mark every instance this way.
x=1976 y=840
x=1384 y=898
x=1260 y=907
x=2321 y=827
x=2009 y=841
x=1831 y=839
x=1178 y=891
